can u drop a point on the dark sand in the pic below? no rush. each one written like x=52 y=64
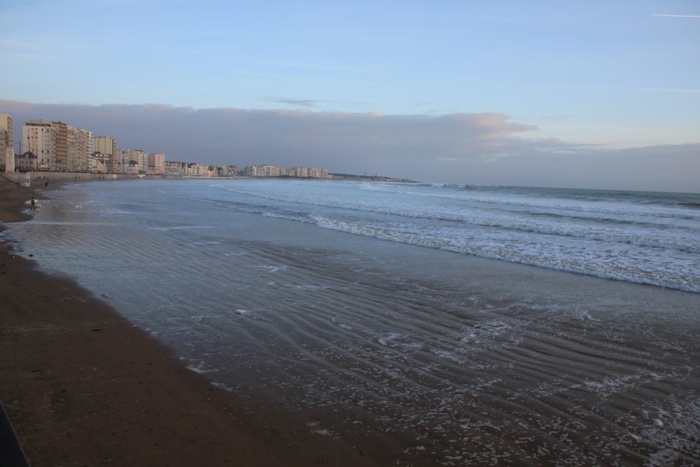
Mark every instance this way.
x=83 y=386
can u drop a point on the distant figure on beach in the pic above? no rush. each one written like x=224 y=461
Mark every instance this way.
x=33 y=204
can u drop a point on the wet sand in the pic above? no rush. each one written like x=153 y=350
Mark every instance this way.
x=83 y=386
x=461 y=361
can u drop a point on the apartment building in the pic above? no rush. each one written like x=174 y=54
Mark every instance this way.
x=175 y=169
x=7 y=150
x=274 y=171
x=107 y=147
x=197 y=169
x=156 y=164
x=265 y=170
x=79 y=150
x=58 y=146
x=138 y=161
x=39 y=138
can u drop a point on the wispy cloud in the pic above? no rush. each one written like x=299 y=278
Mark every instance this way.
x=662 y=15
x=292 y=101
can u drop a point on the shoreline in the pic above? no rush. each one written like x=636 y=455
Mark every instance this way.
x=396 y=364
x=82 y=385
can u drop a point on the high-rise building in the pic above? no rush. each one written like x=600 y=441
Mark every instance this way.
x=133 y=161
x=61 y=131
x=7 y=149
x=107 y=147
x=156 y=164
x=57 y=145
x=80 y=148
x=39 y=138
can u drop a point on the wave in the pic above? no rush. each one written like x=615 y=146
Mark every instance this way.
x=636 y=268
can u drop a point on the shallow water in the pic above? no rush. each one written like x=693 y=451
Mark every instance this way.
x=444 y=357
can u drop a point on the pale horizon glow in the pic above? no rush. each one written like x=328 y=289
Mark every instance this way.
x=592 y=94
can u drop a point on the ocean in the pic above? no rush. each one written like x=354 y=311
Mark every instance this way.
x=455 y=325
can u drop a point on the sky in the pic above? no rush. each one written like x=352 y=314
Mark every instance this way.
x=585 y=94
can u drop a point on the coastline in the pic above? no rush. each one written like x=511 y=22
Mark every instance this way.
x=460 y=360
x=82 y=385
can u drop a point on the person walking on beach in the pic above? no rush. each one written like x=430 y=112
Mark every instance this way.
x=33 y=204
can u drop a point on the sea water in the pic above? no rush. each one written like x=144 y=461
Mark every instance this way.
x=453 y=324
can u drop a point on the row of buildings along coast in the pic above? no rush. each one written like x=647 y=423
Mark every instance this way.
x=48 y=146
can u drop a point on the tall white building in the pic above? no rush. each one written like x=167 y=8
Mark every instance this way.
x=57 y=145
x=80 y=147
x=141 y=159
x=39 y=138
x=7 y=150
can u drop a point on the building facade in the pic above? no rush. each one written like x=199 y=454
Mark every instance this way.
x=156 y=164
x=107 y=149
x=267 y=170
x=39 y=139
x=7 y=149
x=58 y=147
x=80 y=150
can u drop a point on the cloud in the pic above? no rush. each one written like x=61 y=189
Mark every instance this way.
x=476 y=148
x=676 y=16
x=235 y=135
x=292 y=101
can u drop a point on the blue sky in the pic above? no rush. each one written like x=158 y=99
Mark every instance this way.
x=552 y=79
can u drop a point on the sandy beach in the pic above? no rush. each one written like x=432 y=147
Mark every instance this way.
x=182 y=329
x=83 y=386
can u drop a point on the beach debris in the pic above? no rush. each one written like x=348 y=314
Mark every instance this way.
x=316 y=428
